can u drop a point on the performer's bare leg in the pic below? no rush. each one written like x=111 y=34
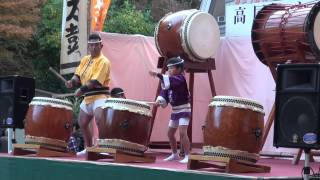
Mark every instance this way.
x=181 y=154
x=184 y=138
x=84 y=120
x=172 y=139
x=173 y=145
x=185 y=142
x=98 y=116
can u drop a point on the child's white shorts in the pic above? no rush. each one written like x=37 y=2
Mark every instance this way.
x=180 y=122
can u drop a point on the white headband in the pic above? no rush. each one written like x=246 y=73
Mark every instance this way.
x=119 y=93
x=94 y=41
x=181 y=62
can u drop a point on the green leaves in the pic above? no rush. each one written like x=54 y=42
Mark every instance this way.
x=46 y=47
x=126 y=19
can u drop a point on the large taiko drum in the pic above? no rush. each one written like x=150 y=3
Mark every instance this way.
x=283 y=33
x=126 y=125
x=235 y=123
x=49 y=123
x=191 y=34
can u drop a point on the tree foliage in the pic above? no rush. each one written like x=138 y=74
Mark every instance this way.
x=45 y=49
x=123 y=17
x=18 y=22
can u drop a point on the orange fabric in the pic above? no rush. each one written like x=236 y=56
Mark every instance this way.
x=99 y=10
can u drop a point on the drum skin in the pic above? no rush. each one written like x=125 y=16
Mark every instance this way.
x=49 y=122
x=278 y=36
x=125 y=125
x=234 y=128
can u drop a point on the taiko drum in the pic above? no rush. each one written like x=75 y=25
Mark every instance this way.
x=49 y=122
x=191 y=34
x=235 y=123
x=282 y=33
x=127 y=120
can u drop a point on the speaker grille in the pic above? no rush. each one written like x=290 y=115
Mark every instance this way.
x=300 y=112
x=16 y=92
x=6 y=109
x=297 y=106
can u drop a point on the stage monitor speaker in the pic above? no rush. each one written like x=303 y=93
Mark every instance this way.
x=16 y=92
x=297 y=101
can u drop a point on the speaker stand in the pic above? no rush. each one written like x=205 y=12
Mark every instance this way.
x=10 y=137
x=306 y=168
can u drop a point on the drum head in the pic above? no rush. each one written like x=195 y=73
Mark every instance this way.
x=201 y=35
x=316 y=30
x=57 y=103
x=128 y=105
x=313 y=29
x=237 y=102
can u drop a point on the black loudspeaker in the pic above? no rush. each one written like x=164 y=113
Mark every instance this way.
x=297 y=106
x=16 y=92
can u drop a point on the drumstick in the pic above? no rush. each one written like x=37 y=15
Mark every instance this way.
x=62 y=95
x=57 y=75
x=151 y=103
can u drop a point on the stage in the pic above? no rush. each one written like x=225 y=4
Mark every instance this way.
x=22 y=167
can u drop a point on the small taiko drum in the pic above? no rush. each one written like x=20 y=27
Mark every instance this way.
x=126 y=124
x=282 y=33
x=235 y=123
x=49 y=123
x=191 y=34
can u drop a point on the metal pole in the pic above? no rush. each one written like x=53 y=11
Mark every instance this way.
x=10 y=136
x=306 y=168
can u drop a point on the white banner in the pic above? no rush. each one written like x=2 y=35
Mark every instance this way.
x=239 y=18
x=74 y=34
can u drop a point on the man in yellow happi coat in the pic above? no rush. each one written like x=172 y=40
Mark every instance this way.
x=93 y=76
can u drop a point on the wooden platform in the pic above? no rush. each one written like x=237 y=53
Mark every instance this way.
x=229 y=165
x=96 y=153
x=38 y=150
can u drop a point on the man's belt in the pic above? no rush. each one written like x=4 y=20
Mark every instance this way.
x=97 y=91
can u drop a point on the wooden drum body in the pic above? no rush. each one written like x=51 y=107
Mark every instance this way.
x=181 y=34
x=234 y=123
x=283 y=33
x=127 y=120
x=49 y=122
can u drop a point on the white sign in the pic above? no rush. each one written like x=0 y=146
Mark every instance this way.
x=74 y=35
x=239 y=20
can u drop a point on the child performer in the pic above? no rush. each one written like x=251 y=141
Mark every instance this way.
x=175 y=91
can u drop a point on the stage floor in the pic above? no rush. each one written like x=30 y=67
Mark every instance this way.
x=20 y=167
